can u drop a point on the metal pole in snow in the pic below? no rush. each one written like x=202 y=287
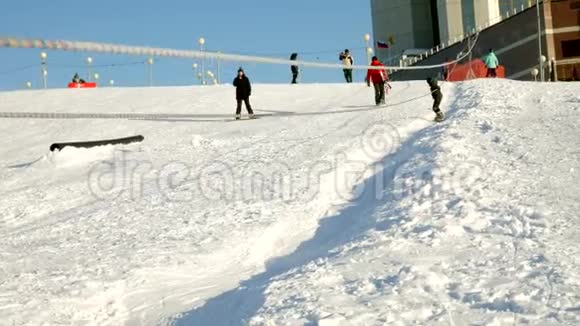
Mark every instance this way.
x=43 y=71
x=150 y=71
x=218 y=69
x=540 y=41
x=89 y=63
x=201 y=42
x=367 y=39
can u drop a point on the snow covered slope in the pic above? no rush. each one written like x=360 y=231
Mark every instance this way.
x=478 y=226
x=323 y=211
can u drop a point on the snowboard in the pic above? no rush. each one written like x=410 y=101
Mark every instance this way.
x=439 y=119
x=382 y=104
x=245 y=118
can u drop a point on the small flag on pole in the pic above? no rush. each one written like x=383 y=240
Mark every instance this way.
x=382 y=45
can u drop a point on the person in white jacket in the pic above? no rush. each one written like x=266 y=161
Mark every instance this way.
x=348 y=61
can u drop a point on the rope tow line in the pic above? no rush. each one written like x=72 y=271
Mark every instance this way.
x=61 y=45
x=146 y=51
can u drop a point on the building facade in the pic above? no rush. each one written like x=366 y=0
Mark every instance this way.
x=423 y=24
x=515 y=42
x=562 y=37
x=404 y=24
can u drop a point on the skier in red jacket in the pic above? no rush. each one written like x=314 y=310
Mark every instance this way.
x=378 y=77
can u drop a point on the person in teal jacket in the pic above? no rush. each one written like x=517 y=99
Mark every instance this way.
x=491 y=63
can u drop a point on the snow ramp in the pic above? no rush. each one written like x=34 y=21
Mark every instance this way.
x=471 y=221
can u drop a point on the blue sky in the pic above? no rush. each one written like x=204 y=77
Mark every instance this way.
x=258 y=27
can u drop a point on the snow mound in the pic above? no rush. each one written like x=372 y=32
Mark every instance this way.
x=72 y=156
x=478 y=230
x=328 y=211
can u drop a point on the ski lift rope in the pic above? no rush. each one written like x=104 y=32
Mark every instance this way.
x=190 y=54
x=157 y=116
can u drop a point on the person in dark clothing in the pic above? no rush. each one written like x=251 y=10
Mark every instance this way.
x=243 y=92
x=347 y=61
x=294 y=68
x=437 y=97
x=379 y=78
x=77 y=80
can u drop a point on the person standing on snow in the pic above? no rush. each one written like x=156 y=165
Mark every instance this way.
x=491 y=62
x=243 y=92
x=294 y=68
x=378 y=77
x=348 y=61
x=437 y=97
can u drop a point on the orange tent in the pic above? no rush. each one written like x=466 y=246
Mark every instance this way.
x=82 y=85
x=459 y=72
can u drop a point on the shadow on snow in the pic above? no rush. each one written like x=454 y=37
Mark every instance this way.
x=237 y=306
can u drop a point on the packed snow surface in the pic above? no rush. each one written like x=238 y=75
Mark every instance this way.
x=325 y=211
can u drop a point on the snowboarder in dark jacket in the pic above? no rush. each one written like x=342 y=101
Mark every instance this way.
x=243 y=92
x=294 y=68
x=437 y=97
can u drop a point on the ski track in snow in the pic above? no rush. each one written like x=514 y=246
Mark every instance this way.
x=469 y=221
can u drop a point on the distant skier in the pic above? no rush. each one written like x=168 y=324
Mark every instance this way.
x=347 y=61
x=243 y=92
x=491 y=62
x=77 y=80
x=437 y=97
x=294 y=68
x=379 y=78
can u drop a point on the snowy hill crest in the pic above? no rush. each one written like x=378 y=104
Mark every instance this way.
x=325 y=212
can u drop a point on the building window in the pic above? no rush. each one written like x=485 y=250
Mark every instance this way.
x=571 y=48
x=468 y=15
x=507 y=7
